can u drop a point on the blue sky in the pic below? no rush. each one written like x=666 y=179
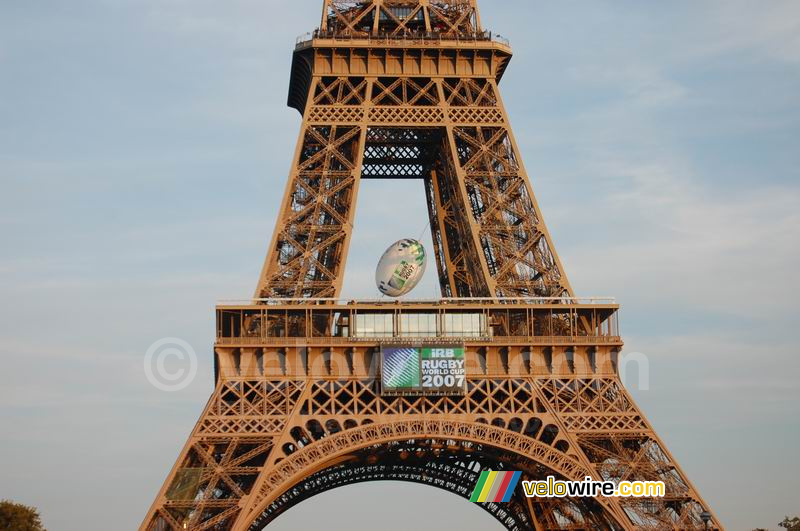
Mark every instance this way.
x=144 y=147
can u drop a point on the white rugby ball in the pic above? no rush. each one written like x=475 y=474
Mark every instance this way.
x=401 y=268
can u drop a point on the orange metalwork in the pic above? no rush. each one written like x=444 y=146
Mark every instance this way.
x=408 y=89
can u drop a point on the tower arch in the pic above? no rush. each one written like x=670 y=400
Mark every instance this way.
x=448 y=455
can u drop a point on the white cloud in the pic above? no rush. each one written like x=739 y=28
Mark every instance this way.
x=677 y=242
x=771 y=28
x=639 y=84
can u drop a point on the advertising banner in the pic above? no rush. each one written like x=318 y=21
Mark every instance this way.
x=423 y=370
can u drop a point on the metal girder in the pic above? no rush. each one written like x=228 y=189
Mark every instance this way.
x=310 y=245
x=489 y=234
x=450 y=18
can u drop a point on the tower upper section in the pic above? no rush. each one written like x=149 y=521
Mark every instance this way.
x=358 y=38
x=398 y=18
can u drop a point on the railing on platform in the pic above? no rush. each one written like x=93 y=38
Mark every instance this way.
x=415 y=302
x=505 y=340
x=425 y=38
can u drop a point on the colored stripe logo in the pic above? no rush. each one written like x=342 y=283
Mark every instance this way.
x=495 y=487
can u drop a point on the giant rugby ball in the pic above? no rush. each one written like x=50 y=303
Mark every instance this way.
x=401 y=268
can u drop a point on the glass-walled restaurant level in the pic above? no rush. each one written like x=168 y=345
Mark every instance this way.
x=432 y=320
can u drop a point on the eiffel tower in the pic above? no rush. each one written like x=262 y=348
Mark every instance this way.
x=408 y=89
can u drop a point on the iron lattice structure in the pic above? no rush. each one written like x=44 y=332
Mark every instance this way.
x=408 y=89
